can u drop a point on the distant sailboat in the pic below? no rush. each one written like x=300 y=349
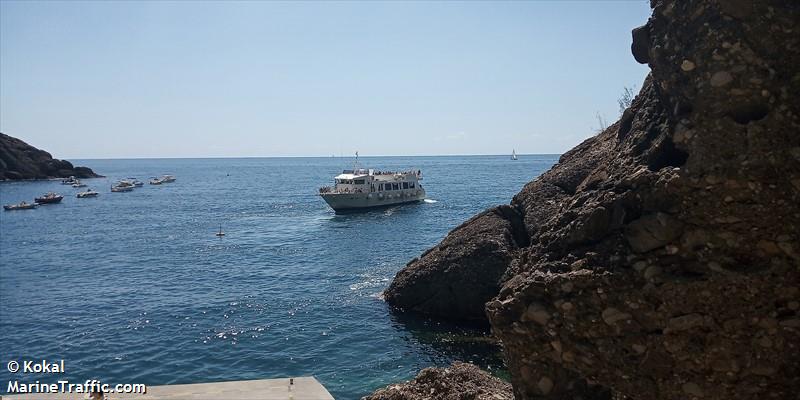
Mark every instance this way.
x=513 y=155
x=220 y=233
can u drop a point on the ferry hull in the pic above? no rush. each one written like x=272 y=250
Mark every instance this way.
x=348 y=202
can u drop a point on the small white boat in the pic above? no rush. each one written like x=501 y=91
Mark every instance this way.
x=135 y=182
x=513 y=154
x=156 y=181
x=167 y=179
x=118 y=188
x=125 y=183
x=88 y=193
x=69 y=181
x=78 y=184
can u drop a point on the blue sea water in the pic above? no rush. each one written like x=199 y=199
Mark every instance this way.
x=136 y=288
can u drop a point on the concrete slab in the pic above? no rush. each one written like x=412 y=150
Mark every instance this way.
x=304 y=388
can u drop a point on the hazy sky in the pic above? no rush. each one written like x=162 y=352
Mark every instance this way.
x=194 y=79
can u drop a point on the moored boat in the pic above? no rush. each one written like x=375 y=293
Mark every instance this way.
x=167 y=179
x=156 y=181
x=49 y=198
x=88 y=193
x=135 y=182
x=69 y=181
x=121 y=188
x=366 y=188
x=21 y=206
x=78 y=184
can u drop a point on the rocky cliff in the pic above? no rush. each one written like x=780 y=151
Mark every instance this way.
x=663 y=255
x=19 y=160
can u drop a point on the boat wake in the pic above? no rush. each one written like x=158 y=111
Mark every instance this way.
x=430 y=201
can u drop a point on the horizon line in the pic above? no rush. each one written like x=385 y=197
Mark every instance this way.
x=351 y=157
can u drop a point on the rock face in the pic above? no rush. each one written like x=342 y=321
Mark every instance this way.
x=19 y=160
x=663 y=255
x=460 y=381
x=456 y=278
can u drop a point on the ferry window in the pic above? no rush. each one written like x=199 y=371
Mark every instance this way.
x=412 y=185
x=359 y=181
x=388 y=186
x=395 y=186
x=405 y=185
x=380 y=187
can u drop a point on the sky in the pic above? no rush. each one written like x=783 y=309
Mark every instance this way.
x=258 y=79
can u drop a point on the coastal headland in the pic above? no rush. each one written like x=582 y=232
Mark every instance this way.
x=660 y=258
x=19 y=160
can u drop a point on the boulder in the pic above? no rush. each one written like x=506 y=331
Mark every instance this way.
x=460 y=381
x=640 y=46
x=652 y=231
x=456 y=278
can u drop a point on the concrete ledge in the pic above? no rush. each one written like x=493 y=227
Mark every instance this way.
x=304 y=388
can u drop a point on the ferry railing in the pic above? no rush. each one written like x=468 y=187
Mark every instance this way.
x=328 y=189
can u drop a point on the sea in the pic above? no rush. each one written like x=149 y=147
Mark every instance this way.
x=137 y=288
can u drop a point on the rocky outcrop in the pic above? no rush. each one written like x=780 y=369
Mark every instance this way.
x=663 y=257
x=456 y=278
x=19 y=160
x=460 y=381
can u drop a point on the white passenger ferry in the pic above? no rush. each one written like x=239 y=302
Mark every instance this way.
x=360 y=188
